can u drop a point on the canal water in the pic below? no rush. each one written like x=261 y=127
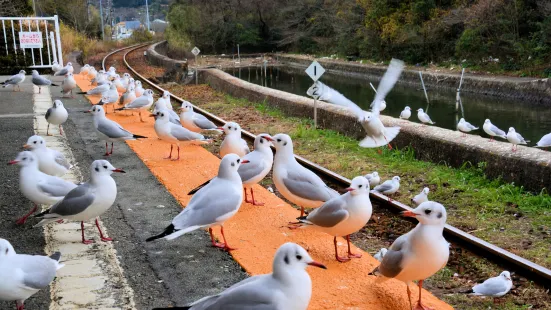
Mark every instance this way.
x=530 y=120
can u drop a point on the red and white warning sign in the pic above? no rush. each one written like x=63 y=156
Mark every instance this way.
x=30 y=39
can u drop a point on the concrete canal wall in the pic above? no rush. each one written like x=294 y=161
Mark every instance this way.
x=529 y=167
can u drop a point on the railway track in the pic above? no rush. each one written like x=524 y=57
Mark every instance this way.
x=528 y=269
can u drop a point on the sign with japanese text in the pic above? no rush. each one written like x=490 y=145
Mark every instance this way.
x=30 y=39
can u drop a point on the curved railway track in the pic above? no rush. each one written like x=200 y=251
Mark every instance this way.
x=528 y=269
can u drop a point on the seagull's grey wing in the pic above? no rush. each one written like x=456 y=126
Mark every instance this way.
x=202 y=122
x=387 y=83
x=38 y=271
x=521 y=138
x=391 y=265
x=61 y=160
x=49 y=112
x=387 y=185
x=255 y=166
x=306 y=184
x=248 y=296
x=330 y=213
x=139 y=102
x=40 y=81
x=490 y=287
x=113 y=130
x=62 y=72
x=173 y=115
x=497 y=131
x=75 y=202
x=55 y=187
x=14 y=79
x=182 y=134
x=208 y=204
x=470 y=126
x=330 y=95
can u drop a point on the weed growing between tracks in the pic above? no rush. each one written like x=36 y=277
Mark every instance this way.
x=498 y=212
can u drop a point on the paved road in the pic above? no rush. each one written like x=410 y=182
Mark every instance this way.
x=160 y=273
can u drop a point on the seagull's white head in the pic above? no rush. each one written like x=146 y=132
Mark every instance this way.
x=383 y=252
x=112 y=69
x=35 y=73
x=407 y=108
x=161 y=115
x=462 y=120
x=35 y=142
x=290 y=257
x=283 y=143
x=186 y=107
x=6 y=249
x=126 y=75
x=22 y=72
x=506 y=275
x=262 y=142
x=57 y=103
x=25 y=159
x=231 y=128
x=69 y=64
x=396 y=179
x=139 y=83
x=368 y=116
x=103 y=167
x=166 y=94
x=511 y=129
x=487 y=121
x=86 y=66
x=229 y=165
x=97 y=111
x=429 y=213
x=426 y=190
x=55 y=62
x=375 y=174
x=420 y=110
x=359 y=185
x=148 y=93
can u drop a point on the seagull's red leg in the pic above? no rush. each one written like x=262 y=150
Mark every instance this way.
x=60 y=130
x=226 y=248
x=350 y=254
x=254 y=202
x=22 y=220
x=141 y=117
x=106 y=150
x=214 y=243
x=111 y=149
x=301 y=211
x=337 y=257
x=409 y=296
x=388 y=143
x=48 y=130
x=19 y=305
x=82 y=230
x=103 y=238
x=178 y=152
x=420 y=305
x=170 y=155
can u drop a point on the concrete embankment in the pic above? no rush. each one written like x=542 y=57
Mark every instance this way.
x=526 y=89
x=528 y=167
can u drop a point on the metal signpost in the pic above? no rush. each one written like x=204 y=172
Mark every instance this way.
x=195 y=51
x=315 y=71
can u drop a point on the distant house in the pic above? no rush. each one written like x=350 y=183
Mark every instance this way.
x=124 y=30
x=158 y=26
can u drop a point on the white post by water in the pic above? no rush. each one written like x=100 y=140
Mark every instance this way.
x=58 y=39
x=196 y=71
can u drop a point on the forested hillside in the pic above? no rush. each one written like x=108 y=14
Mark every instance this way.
x=506 y=34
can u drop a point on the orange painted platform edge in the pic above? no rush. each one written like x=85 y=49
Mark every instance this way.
x=257 y=232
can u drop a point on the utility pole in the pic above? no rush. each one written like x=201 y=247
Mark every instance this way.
x=101 y=16
x=147 y=12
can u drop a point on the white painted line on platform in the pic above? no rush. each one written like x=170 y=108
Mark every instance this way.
x=92 y=277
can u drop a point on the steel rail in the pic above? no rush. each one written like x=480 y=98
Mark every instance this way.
x=523 y=266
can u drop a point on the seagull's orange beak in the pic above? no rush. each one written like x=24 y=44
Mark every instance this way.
x=316 y=264
x=13 y=162
x=350 y=189
x=220 y=128
x=245 y=161
x=268 y=138
x=26 y=146
x=409 y=214
x=119 y=170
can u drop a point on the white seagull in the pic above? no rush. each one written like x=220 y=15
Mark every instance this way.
x=15 y=80
x=87 y=201
x=373 y=178
x=40 y=81
x=421 y=197
x=111 y=97
x=68 y=84
x=424 y=117
x=343 y=215
x=515 y=138
x=98 y=90
x=545 y=141
x=233 y=143
x=406 y=113
x=24 y=275
x=421 y=252
x=465 y=126
x=194 y=121
x=108 y=130
x=128 y=96
x=175 y=134
x=288 y=287
x=139 y=89
x=141 y=103
x=56 y=115
x=389 y=187
x=38 y=187
x=296 y=183
x=380 y=255
x=492 y=130
x=494 y=287
x=56 y=66
x=65 y=70
x=50 y=161
x=212 y=205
